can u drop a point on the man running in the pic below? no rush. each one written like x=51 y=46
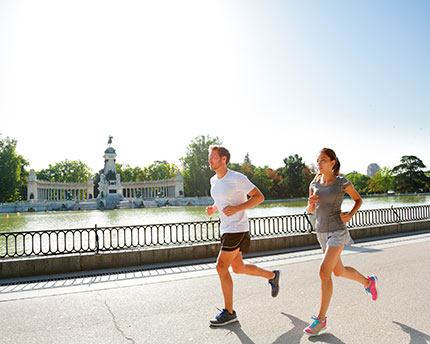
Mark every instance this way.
x=230 y=189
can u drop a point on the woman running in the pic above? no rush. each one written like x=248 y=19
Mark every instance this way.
x=326 y=193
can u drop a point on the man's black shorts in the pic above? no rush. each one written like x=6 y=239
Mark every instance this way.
x=233 y=241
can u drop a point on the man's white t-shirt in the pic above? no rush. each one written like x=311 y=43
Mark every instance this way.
x=232 y=189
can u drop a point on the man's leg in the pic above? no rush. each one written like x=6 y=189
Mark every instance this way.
x=239 y=267
x=224 y=261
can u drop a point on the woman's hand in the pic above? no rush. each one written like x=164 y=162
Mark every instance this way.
x=312 y=200
x=345 y=216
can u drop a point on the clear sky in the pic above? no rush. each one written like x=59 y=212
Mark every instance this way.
x=271 y=78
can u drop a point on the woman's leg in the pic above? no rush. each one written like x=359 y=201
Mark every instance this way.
x=350 y=273
x=330 y=260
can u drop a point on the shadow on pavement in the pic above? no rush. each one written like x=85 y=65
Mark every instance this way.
x=296 y=333
x=417 y=337
x=89 y=278
x=236 y=328
x=361 y=249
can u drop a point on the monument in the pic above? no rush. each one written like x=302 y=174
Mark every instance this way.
x=110 y=189
x=114 y=194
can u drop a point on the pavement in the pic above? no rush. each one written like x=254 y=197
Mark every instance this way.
x=174 y=304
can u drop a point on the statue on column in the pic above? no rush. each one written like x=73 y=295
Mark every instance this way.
x=110 y=140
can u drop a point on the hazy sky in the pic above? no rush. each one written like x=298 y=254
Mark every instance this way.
x=272 y=78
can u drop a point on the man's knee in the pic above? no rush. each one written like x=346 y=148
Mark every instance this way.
x=238 y=268
x=221 y=266
x=339 y=272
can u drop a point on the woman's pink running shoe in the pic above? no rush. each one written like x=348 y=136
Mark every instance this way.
x=372 y=287
x=316 y=327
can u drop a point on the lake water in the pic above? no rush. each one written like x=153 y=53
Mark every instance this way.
x=124 y=217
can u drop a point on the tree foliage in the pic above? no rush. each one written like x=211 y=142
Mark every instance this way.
x=13 y=175
x=66 y=172
x=360 y=182
x=294 y=182
x=158 y=170
x=196 y=171
x=409 y=175
x=382 y=181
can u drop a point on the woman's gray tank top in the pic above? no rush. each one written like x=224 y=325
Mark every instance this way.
x=328 y=207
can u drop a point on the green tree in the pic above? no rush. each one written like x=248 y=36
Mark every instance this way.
x=13 y=175
x=161 y=170
x=382 y=181
x=196 y=170
x=126 y=172
x=409 y=175
x=247 y=169
x=66 y=172
x=262 y=178
x=294 y=181
x=360 y=182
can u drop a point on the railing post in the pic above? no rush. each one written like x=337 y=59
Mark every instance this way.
x=395 y=213
x=97 y=240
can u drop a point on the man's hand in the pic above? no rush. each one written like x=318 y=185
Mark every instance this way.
x=230 y=210
x=210 y=210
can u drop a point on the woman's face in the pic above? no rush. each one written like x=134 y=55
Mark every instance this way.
x=324 y=164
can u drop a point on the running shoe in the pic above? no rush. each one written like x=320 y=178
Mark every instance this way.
x=316 y=327
x=224 y=318
x=274 y=283
x=372 y=287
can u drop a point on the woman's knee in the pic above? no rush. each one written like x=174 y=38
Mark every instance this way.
x=325 y=273
x=339 y=272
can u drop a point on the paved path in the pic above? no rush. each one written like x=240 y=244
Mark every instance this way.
x=173 y=305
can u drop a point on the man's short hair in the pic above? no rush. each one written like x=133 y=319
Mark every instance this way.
x=222 y=151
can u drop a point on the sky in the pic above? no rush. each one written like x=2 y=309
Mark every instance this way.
x=269 y=78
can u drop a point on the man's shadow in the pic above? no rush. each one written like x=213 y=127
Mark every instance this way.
x=236 y=328
x=296 y=333
x=417 y=337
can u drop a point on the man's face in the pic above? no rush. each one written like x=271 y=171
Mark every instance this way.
x=215 y=161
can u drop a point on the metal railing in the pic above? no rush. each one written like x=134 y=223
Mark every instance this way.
x=102 y=239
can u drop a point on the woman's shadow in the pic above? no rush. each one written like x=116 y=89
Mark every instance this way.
x=296 y=333
x=417 y=337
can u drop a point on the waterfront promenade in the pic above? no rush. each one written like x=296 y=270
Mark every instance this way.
x=173 y=305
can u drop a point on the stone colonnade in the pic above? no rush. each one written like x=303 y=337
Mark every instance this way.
x=40 y=190
x=63 y=193
x=153 y=189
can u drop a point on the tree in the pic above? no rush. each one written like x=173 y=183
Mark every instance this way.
x=382 y=181
x=13 y=175
x=262 y=178
x=66 y=172
x=247 y=159
x=126 y=172
x=409 y=175
x=196 y=170
x=161 y=170
x=294 y=181
x=360 y=182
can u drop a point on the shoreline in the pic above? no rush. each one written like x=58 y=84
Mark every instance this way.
x=24 y=207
